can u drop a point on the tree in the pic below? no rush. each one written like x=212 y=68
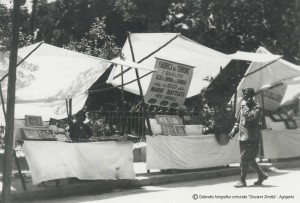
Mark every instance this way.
x=5 y=26
x=135 y=16
x=231 y=25
x=96 y=42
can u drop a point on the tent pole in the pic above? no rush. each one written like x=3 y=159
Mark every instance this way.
x=123 y=108
x=11 y=97
x=2 y=101
x=235 y=91
x=67 y=107
x=140 y=61
x=234 y=103
x=263 y=111
x=70 y=106
x=23 y=60
x=262 y=67
x=140 y=87
x=114 y=87
x=263 y=122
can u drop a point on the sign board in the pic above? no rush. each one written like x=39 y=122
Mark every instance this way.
x=169 y=84
x=272 y=97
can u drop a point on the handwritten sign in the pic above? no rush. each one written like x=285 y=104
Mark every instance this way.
x=169 y=84
x=272 y=97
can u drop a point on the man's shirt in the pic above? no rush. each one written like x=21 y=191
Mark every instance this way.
x=247 y=123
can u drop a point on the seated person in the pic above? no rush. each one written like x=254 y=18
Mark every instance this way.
x=80 y=130
x=97 y=125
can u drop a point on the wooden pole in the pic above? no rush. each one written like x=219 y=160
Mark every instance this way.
x=67 y=107
x=117 y=86
x=263 y=111
x=140 y=87
x=23 y=59
x=9 y=133
x=146 y=57
x=235 y=92
x=3 y=103
x=264 y=66
x=70 y=107
x=263 y=123
x=123 y=108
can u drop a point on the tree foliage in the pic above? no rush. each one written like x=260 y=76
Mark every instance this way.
x=5 y=26
x=244 y=25
x=96 y=42
x=226 y=26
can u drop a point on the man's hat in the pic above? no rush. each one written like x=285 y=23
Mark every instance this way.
x=248 y=91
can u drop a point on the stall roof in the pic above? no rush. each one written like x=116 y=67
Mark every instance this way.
x=273 y=74
x=172 y=47
x=254 y=57
x=177 y=48
x=48 y=77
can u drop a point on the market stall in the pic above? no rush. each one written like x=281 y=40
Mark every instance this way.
x=279 y=144
x=52 y=86
x=281 y=137
x=177 y=146
x=277 y=87
x=51 y=160
x=189 y=152
x=51 y=155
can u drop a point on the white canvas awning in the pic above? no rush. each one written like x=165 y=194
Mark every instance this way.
x=292 y=92
x=254 y=57
x=118 y=61
x=48 y=77
x=275 y=73
x=173 y=47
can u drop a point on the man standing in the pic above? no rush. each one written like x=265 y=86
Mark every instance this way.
x=247 y=125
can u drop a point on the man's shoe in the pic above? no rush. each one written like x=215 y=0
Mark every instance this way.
x=261 y=179
x=241 y=184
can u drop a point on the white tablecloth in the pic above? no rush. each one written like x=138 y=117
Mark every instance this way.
x=189 y=152
x=50 y=160
x=279 y=144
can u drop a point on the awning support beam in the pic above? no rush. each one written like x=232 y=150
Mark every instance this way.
x=140 y=88
x=146 y=57
x=23 y=59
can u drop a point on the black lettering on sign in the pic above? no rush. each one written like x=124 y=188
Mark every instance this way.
x=157 y=89
x=172 y=86
x=159 y=77
x=170 y=98
x=182 y=69
x=165 y=65
x=175 y=93
x=181 y=82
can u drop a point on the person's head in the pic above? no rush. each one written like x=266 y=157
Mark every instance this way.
x=248 y=94
x=80 y=116
x=181 y=111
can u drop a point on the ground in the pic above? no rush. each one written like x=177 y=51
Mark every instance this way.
x=282 y=186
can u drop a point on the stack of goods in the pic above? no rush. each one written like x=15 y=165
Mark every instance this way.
x=59 y=129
